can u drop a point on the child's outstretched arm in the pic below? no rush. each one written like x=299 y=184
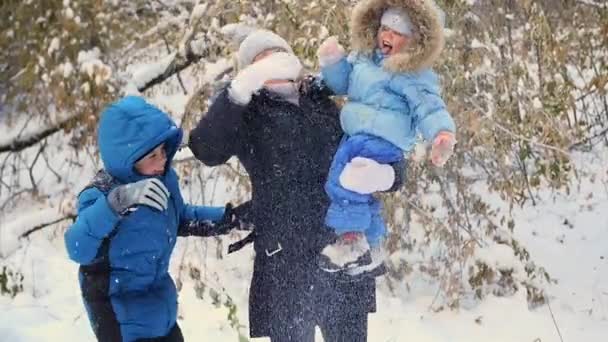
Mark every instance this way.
x=212 y=221
x=199 y=220
x=335 y=68
x=202 y=213
x=95 y=221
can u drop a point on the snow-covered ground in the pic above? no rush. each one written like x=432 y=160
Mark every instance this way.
x=566 y=234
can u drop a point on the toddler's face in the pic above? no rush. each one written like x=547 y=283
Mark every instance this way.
x=391 y=42
x=153 y=163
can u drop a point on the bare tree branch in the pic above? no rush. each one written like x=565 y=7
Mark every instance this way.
x=71 y=216
x=186 y=55
x=179 y=78
x=578 y=144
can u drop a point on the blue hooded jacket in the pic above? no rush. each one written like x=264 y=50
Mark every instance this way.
x=392 y=106
x=392 y=97
x=125 y=259
x=390 y=100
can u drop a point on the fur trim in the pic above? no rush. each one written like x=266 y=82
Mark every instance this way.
x=420 y=53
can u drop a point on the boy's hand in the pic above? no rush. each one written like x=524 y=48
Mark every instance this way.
x=151 y=192
x=330 y=52
x=235 y=218
x=366 y=176
x=443 y=148
x=277 y=66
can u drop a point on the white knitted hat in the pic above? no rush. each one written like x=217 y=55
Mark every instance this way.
x=257 y=42
x=398 y=20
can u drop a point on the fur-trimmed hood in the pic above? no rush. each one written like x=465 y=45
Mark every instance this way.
x=420 y=53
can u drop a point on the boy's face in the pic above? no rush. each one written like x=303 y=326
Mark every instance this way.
x=153 y=163
x=391 y=42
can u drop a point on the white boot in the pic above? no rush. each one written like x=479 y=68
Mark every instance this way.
x=378 y=255
x=344 y=253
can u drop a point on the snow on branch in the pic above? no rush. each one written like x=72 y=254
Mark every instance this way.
x=237 y=32
x=174 y=63
x=598 y=4
x=22 y=142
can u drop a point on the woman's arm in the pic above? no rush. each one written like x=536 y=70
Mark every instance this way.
x=318 y=95
x=220 y=132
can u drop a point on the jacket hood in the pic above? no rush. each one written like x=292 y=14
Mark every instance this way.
x=427 y=42
x=128 y=130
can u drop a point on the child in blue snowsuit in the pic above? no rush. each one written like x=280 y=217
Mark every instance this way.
x=128 y=220
x=393 y=95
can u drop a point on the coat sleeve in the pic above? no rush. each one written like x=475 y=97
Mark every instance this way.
x=337 y=76
x=220 y=132
x=199 y=220
x=95 y=221
x=426 y=105
x=202 y=213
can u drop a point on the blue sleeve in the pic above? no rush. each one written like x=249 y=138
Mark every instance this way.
x=200 y=221
x=191 y=216
x=95 y=221
x=428 y=108
x=201 y=213
x=337 y=75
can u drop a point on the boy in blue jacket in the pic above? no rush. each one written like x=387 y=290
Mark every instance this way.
x=393 y=95
x=128 y=220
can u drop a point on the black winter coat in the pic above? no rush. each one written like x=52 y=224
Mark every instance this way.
x=287 y=151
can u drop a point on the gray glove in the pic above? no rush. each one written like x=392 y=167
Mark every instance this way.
x=151 y=192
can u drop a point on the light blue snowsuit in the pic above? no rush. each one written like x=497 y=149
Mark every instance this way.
x=384 y=113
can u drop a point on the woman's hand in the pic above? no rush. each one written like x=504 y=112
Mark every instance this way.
x=277 y=66
x=330 y=52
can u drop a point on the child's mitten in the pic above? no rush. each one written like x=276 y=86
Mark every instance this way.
x=366 y=176
x=330 y=52
x=443 y=148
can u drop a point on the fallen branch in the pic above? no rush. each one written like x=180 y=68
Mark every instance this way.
x=559 y=333
x=71 y=216
x=578 y=144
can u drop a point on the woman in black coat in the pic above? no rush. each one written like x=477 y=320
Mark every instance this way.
x=285 y=135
